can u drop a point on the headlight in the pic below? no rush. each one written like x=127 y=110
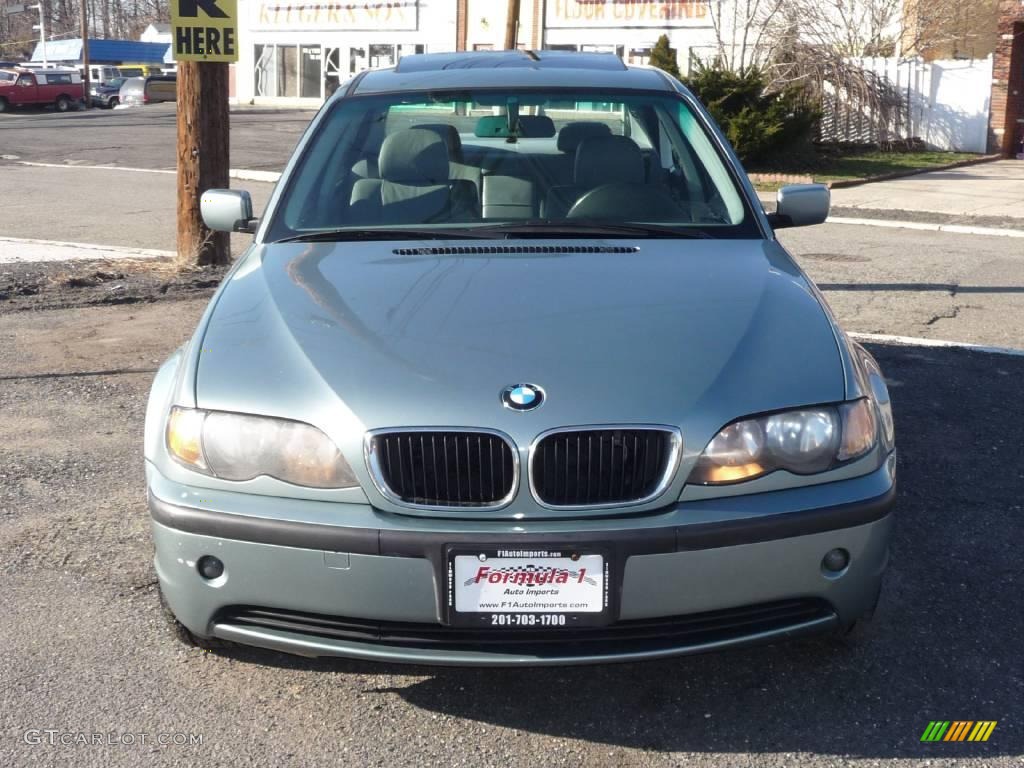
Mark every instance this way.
x=880 y=394
x=804 y=442
x=235 y=446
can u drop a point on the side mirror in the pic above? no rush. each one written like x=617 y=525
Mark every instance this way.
x=228 y=210
x=800 y=205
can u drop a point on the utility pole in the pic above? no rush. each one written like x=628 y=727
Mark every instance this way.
x=42 y=31
x=204 y=38
x=85 y=54
x=512 y=25
x=203 y=158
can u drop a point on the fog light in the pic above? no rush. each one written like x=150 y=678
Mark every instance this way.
x=836 y=560
x=210 y=567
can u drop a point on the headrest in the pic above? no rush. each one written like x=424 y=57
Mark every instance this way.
x=450 y=135
x=530 y=127
x=608 y=160
x=536 y=127
x=414 y=156
x=572 y=134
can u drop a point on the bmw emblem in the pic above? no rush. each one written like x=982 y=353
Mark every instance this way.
x=522 y=397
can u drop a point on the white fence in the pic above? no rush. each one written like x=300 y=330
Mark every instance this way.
x=943 y=103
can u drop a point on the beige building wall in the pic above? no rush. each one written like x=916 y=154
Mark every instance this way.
x=486 y=19
x=951 y=29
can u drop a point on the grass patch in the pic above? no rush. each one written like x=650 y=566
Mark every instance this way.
x=841 y=166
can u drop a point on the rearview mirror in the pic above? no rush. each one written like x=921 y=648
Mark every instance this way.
x=800 y=205
x=228 y=210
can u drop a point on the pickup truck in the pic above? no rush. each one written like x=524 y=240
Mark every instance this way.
x=61 y=87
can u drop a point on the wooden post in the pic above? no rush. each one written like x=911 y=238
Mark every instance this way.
x=85 y=54
x=203 y=159
x=512 y=25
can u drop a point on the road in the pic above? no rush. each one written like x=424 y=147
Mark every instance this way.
x=85 y=649
x=261 y=139
x=906 y=282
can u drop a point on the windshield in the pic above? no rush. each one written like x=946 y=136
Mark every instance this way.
x=115 y=82
x=510 y=163
x=7 y=77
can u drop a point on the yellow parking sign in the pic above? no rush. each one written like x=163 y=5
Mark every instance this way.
x=204 y=30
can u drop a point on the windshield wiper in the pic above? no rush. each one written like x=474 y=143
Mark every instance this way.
x=539 y=229
x=588 y=228
x=398 y=233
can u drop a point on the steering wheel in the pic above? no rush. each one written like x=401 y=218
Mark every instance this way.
x=628 y=202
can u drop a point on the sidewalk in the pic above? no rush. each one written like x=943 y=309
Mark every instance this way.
x=991 y=190
x=984 y=199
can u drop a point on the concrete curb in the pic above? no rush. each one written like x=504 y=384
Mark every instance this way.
x=917 y=341
x=957 y=229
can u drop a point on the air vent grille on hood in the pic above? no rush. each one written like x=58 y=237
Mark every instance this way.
x=511 y=250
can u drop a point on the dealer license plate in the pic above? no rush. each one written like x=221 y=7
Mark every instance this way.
x=528 y=589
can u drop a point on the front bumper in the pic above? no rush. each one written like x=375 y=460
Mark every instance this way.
x=697 y=576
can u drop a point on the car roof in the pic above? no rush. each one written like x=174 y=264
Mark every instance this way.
x=511 y=69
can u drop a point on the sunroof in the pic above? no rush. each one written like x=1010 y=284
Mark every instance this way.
x=427 y=62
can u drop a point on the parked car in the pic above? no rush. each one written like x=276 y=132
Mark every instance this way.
x=548 y=394
x=62 y=88
x=108 y=94
x=152 y=89
x=101 y=73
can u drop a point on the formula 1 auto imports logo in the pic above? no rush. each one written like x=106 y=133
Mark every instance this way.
x=529 y=575
x=959 y=730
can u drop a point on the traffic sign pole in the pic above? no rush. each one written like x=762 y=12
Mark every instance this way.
x=203 y=158
x=85 y=56
x=204 y=37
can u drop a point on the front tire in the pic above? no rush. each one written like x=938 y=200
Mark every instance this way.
x=4 y=106
x=181 y=633
x=113 y=103
x=63 y=104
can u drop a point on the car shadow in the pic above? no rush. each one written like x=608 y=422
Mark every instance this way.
x=944 y=645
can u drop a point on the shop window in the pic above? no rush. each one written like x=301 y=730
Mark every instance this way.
x=356 y=60
x=618 y=50
x=288 y=70
x=332 y=71
x=641 y=56
x=311 y=71
x=276 y=72
x=382 y=55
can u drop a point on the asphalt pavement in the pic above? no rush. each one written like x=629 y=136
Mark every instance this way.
x=85 y=649
x=143 y=137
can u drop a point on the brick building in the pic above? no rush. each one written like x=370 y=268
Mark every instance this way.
x=1006 y=118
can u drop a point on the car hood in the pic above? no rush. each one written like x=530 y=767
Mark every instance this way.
x=357 y=336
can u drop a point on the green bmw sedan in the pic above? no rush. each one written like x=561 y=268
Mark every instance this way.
x=516 y=372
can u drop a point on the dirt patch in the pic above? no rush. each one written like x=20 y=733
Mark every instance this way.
x=61 y=285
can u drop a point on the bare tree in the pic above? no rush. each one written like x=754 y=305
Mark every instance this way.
x=122 y=19
x=744 y=32
x=825 y=46
x=822 y=45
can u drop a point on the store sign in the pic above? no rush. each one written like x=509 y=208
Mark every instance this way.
x=204 y=30
x=341 y=15
x=627 y=13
